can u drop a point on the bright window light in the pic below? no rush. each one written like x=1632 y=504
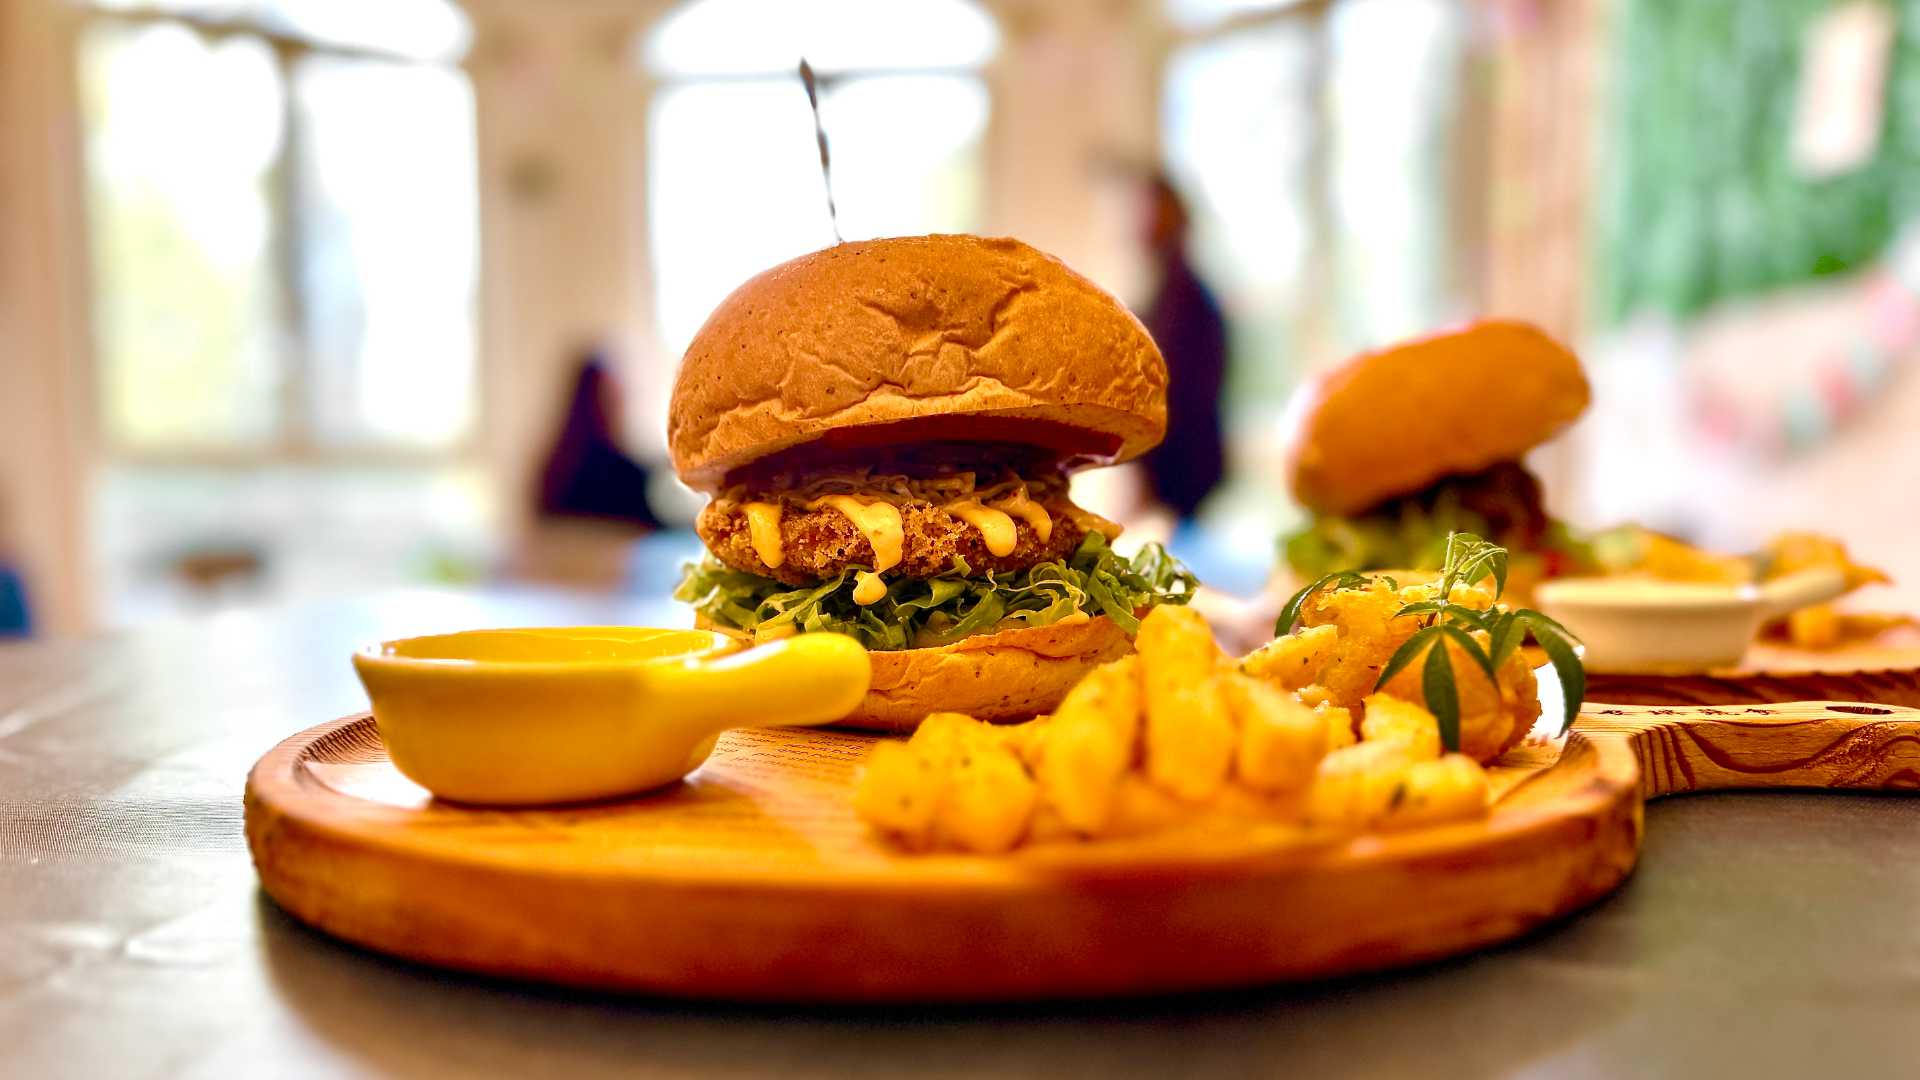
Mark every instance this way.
x=391 y=253
x=1201 y=14
x=416 y=29
x=763 y=37
x=181 y=134
x=734 y=180
x=277 y=277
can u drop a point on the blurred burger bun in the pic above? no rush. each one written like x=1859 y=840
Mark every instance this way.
x=911 y=340
x=1391 y=422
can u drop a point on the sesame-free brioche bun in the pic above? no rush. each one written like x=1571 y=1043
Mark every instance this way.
x=1391 y=422
x=1002 y=677
x=911 y=340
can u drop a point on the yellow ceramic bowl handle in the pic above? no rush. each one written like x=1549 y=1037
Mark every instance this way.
x=804 y=679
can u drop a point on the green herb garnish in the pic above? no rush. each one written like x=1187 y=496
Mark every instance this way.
x=1468 y=559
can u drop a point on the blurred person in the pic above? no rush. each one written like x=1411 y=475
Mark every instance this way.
x=1185 y=320
x=587 y=474
x=591 y=502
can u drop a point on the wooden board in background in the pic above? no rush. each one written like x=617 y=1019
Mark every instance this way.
x=1885 y=671
x=753 y=880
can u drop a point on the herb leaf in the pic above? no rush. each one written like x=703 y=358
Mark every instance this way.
x=1443 y=699
x=1290 y=614
x=1459 y=613
x=1566 y=665
x=1538 y=618
x=1471 y=647
x=1505 y=634
x=1470 y=558
x=1404 y=655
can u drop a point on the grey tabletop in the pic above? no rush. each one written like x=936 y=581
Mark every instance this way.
x=1762 y=935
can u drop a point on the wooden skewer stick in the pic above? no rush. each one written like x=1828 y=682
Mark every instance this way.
x=820 y=134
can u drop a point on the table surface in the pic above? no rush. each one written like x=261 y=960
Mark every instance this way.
x=1774 y=934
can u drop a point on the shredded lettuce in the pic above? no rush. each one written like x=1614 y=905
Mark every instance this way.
x=917 y=613
x=1407 y=537
x=1412 y=539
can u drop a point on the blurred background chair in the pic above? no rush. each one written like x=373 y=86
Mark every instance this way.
x=16 y=618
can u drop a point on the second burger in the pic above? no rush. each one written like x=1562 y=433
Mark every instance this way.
x=1398 y=448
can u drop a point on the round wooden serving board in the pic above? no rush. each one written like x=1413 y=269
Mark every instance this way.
x=1885 y=671
x=752 y=879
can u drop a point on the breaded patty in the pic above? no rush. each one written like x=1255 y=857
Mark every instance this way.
x=821 y=543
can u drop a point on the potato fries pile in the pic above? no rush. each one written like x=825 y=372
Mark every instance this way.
x=1176 y=734
x=1823 y=626
x=1819 y=626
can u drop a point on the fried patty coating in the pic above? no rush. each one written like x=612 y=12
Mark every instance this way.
x=821 y=543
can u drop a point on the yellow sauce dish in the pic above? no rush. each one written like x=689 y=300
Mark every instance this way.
x=524 y=717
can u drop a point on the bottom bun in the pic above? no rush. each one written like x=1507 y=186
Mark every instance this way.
x=1003 y=677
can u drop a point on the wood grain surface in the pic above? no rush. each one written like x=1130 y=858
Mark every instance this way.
x=753 y=881
x=1799 y=745
x=1885 y=672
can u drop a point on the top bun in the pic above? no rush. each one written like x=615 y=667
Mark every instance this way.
x=858 y=338
x=1391 y=422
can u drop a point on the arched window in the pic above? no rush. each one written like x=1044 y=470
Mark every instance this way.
x=733 y=174
x=282 y=205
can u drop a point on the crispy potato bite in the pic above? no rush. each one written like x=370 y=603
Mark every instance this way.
x=1396 y=778
x=1493 y=718
x=1449 y=789
x=1350 y=634
x=1190 y=733
x=988 y=801
x=1792 y=552
x=1281 y=740
x=1293 y=660
x=945 y=736
x=1339 y=724
x=1664 y=557
x=899 y=791
x=1389 y=718
x=1089 y=746
x=1140 y=807
x=1354 y=787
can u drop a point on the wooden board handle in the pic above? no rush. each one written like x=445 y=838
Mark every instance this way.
x=1808 y=744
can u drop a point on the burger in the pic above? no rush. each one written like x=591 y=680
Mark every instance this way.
x=886 y=429
x=1395 y=449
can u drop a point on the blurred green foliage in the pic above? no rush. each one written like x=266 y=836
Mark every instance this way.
x=1700 y=198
